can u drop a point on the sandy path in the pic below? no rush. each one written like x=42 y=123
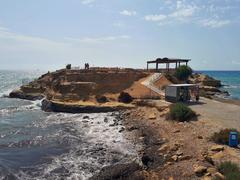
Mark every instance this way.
x=221 y=114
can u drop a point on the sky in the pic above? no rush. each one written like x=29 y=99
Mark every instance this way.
x=48 y=34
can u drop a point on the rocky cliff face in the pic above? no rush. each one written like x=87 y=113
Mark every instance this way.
x=74 y=85
x=208 y=86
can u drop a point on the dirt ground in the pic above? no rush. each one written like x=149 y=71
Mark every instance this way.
x=183 y=146
x=217 y=113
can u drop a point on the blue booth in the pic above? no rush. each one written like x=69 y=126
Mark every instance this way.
x=233 y=139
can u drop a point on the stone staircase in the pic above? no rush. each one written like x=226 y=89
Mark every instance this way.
x=149 y=83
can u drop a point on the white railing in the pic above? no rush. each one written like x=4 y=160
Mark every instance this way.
x=149 y=83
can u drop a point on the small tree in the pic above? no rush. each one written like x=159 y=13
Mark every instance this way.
x=125 y=97
x=68 y=66
x=183 y=72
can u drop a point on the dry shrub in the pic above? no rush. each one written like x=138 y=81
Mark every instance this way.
x=222 y=137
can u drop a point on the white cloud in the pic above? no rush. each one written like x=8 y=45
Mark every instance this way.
x=128 y=13
x=184 y=10
x=181 y=13
x=214 y=23
x=5 y=34
x=87 y=1
x=155 y=17
x=99 y=39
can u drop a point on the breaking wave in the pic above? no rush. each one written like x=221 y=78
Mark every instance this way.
x=89 y=142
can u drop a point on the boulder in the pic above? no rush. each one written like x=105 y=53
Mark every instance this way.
x=46 y=105
x=163 y=148
x=218 y=155
x=174 y=158
x=212 y=170
x=200 y=170
x=183 y=158
x=179 y=153
x=117 y=171
x=152 y=116
x=209 y=159
x=217 y=148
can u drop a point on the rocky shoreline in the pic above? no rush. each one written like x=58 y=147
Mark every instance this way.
x=51 y=106
x=143 y=136
x=169 y=150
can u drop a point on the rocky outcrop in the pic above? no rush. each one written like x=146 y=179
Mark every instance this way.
x=51 y=106
x=74 y=85
x=118 y=171
x=209 y=87
x=28 y=96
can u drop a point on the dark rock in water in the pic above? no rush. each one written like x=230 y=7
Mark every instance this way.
x=122 y=129
x=28 y=96
x=85 y=117
x=46 y=105
x=132 y=128
x=106 y=120
x=118 y=171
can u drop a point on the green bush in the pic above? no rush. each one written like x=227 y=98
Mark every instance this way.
x=101 y=99
x=125 y=97
x=230 y=170
x=183 y=72
x=222 y=137
x=69 y=66
x=181 y=112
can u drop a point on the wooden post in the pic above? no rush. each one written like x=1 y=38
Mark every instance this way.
x=147 y=66
x=156 y=66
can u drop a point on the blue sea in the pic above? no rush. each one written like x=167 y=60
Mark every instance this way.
x=39 y=145
x=230 y=80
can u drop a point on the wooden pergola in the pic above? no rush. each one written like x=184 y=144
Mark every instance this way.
x=168 y=61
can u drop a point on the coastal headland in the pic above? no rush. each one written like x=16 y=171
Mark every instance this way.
x=97 y=89
x=169 y=149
